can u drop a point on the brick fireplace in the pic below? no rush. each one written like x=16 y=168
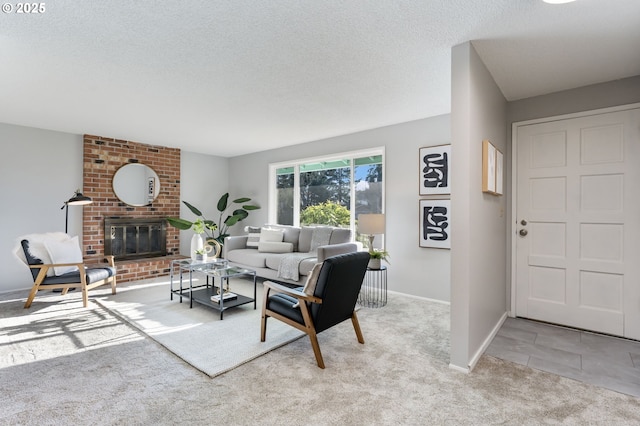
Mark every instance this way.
x=102 y=158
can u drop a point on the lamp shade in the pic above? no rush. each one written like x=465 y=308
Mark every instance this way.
x=371 y=223
x=78 y=199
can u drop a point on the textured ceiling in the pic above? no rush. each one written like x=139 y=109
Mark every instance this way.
x=229 y=77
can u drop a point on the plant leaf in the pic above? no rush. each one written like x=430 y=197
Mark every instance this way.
x=241 y=200
x=222 y=202
x=250 y=207
x=232 y=220
x=242 y=214
x=179 y=223
x=193 y=209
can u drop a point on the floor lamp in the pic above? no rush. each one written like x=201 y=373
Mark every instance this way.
x=77 y=200
x=371 y=224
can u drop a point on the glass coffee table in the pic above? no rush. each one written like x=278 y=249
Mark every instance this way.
x=204 y=293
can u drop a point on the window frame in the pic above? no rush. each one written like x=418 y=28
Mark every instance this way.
x=350 y=155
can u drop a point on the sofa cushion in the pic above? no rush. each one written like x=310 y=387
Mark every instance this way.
x=304 y=243
x=249 y=257
x=340 y=235
x=274 y=247
x=272 y=260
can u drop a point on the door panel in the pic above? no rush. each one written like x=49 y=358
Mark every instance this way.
x=578 y=215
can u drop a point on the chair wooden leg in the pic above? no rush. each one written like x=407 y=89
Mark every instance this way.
x=32 y=295
x=356 y=327
x=263 y=323
x=316 y=348
x=85 y=290
x=64 y=291
x=113 y=285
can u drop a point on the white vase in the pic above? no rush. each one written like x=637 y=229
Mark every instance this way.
x=374 y=264
x=196 y=244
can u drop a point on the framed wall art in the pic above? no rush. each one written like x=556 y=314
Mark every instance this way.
x=435 y=177
x=492 y=169
x=435 y=217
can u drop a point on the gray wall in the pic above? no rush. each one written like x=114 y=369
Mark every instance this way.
x=39 y=171
x=203 y=178
x=478 y=250
x=413 y=270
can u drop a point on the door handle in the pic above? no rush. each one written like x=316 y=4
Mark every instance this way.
x=523 y=232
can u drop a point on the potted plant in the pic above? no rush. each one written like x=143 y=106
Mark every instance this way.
x=215 y=231
x=376 y=256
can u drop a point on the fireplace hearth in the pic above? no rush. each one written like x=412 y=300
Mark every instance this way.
x=135 y=238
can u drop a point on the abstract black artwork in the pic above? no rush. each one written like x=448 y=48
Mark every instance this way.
x=434 y=223
x=435 y=170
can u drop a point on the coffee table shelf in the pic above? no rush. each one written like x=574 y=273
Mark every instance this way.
x=202 y=293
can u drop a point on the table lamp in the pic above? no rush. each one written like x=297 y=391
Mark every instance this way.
x=371 y=224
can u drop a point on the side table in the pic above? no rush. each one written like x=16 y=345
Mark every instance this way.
x=373 y=293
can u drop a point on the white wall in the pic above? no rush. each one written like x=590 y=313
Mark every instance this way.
x=39 y=171
x=413 y=270
x=479 y=229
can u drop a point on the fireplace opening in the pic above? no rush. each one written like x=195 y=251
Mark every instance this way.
x=135 y=238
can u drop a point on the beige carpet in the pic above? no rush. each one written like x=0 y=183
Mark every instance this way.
x=198 y=335
x=61 y=364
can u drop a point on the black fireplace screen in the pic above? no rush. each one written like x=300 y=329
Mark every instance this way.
x=127 y=238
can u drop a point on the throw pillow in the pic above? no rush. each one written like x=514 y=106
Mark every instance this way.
x=67 y=251
x=274 y=247
x=37 y=249
x=253 y=239
x=268 y=235
x=310 y=286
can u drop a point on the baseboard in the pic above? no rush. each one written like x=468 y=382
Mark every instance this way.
x=459 y=369
x=487 y=342
x=443 y=302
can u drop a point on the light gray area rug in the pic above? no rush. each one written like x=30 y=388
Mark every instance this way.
x=61 y=364
x=198 y=335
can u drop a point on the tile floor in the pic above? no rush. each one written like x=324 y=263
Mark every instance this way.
x=604 y=361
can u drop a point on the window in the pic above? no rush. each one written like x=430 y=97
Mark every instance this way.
x=330 y=190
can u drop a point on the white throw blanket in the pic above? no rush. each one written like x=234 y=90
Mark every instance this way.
x=289 y=267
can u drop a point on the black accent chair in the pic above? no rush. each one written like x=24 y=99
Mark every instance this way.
x=91 y=278
x=332 y=302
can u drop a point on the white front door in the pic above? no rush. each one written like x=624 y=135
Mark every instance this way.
x=578 y=222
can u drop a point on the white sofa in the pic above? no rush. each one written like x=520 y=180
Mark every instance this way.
x=300 y=246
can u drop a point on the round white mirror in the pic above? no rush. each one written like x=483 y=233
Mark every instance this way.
x=136 y=184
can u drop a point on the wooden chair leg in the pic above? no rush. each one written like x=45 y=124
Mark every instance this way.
x=32 y=295
x=85 y=290
x=316 y=348
x=356 y=327
x=113 y=285
x=263 y=323
x=64 y=291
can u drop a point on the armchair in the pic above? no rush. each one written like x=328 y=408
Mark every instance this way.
x=332 y=302
x=55 y=261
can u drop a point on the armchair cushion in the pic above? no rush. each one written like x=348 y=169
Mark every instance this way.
x=66 y=251
x=32 y=250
